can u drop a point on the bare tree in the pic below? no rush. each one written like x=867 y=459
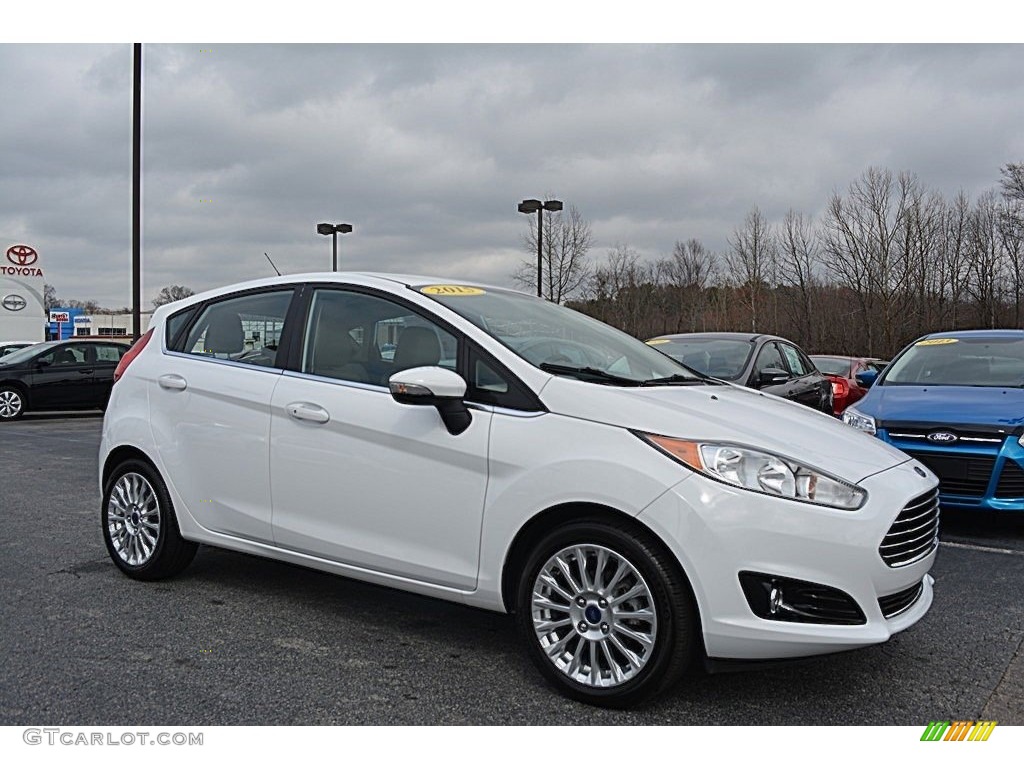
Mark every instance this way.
x=986 y=257
x=566 y=241
x=1013 y=181
x=751 y=261
x=798 y=268
x=686 y=275
x=171 y=293
x=50 y=299
x=861 y=237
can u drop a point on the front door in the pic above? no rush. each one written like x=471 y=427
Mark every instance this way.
x=358 y=478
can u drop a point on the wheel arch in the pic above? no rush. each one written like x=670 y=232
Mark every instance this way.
x=534 y=529
x=20 y=386
x=119 y=455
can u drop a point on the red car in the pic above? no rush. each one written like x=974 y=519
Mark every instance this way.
x=842 y=372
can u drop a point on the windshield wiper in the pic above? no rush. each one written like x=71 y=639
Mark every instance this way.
x=596 y=373
x=676 y=378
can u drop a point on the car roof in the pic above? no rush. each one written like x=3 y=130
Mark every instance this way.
x=729 y=335
x=369 y=279
x=994 y=333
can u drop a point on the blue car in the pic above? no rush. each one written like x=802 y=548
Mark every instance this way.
x=955 y=402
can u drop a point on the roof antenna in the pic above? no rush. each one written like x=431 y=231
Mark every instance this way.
x=272 y=263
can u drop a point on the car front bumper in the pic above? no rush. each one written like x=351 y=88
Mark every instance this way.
x=718 y=531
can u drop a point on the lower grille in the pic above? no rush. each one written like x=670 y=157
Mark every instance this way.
x=781 y=599
x=895 y=604
x=914 y=533
x=1011 y=481
x=960 y=474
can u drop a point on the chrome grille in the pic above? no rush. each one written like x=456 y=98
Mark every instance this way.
x=914 y=533
x=894 y=605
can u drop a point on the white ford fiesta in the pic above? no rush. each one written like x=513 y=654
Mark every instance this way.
x=480 y=445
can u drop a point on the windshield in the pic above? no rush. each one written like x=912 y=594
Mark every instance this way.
x=836 y=366
x=557 y=339
x=721 y=358
x=27 y=353
x=965 y=362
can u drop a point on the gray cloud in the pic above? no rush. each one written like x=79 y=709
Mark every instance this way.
x=427 y=148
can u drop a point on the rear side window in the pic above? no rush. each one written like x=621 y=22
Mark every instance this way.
x=109 y=353
x=244 y=329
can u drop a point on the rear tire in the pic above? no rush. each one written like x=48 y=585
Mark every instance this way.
x=606 y=613
x=139 y=526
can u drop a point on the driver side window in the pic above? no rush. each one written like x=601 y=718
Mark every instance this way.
x=768 y=357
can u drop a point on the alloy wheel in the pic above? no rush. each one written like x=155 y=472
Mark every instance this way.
x=594 y=615
x=133 y=519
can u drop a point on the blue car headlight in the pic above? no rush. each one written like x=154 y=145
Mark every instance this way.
x=859 y=420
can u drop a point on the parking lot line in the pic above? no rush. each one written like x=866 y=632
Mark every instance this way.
x=978 y=548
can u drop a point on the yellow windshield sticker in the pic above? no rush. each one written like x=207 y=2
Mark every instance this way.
x=652 y=342
x=452 y=290
x=933 y=342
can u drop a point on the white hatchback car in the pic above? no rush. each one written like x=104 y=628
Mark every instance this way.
x=632 y=513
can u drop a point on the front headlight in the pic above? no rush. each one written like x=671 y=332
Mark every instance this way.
x=859 y=420
x=759 y=471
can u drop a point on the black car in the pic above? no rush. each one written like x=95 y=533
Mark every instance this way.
x=756 y=360
x=58 y=376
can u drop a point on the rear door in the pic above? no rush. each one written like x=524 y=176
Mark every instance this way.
x=210 y=408
x=105 y=358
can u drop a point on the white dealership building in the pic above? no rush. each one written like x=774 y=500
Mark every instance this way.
x=22 y=313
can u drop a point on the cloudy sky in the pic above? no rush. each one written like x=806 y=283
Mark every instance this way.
x=426 y=149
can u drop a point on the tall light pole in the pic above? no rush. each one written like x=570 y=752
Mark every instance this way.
x=531 y=206
x=333 y=230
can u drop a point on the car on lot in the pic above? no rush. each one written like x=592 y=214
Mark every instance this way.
x=58 y=376
x=633 y=514
x=760 y=361
x=842 y=371
x=6 y=347
x=954 y=401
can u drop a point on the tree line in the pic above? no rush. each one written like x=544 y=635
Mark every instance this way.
x=887 y=260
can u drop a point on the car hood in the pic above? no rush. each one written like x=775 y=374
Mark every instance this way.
x=982 y=406
x=728 y=413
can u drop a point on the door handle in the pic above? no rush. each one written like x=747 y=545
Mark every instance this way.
x=308 y=412
x=172 y=381
x=87 y=370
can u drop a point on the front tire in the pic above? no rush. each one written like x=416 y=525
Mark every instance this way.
x=12 y=403
x=139 y=526
x=606 y=613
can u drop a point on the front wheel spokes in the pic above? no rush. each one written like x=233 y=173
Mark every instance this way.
x=592 y=635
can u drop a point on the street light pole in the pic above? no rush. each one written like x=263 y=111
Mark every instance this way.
x=333 y=230
x=529 y=206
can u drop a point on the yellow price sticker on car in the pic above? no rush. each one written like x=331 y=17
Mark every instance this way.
x=452 y=290
x=652 y=342
x=934 y=342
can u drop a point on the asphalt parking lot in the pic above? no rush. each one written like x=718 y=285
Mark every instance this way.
x=238 y=640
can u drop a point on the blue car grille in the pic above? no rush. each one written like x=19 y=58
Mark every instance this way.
x=960 y=474
x=915 y=532
x=1011 y=481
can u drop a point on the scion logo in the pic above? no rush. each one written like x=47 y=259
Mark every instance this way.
x=942 y=437
x=14 y=302
x=22 y=255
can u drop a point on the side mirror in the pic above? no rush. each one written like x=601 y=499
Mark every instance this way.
x=439 y=387
x=771 y=376
x=866 y=378
x=40 y=364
